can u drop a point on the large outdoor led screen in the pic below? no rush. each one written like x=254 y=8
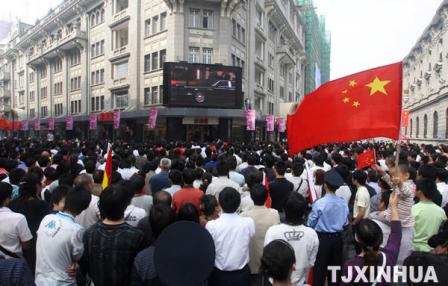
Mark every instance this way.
x=201 y=85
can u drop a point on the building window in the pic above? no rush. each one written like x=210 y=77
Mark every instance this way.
x=417 y=127
x=194 y=18
x=207 y=19
x=234 y=26
x=58 y=88
x=207 y=54
x=147 y=63
x=148 y=28
x=162 y=56
x=282 y=92
x=75 y=83
x=193 y=55
x=97 y=103
x=147 y=96
x=259 y=19
x=121 y=99
x=32 y=96
x=43 y=72
x=121 y=70
x=97 y=77
x=259 y=78
x=435 y=129
x=75 y=58
x=425 y=126
x=32 y=113
x=57 y=66
x=243 y=35
x=155 y=23
x=270 y=85
x=154 y=95
x=155 y=61
x=163 y=21
x=270 y=107
x=44 y=111
x=411 y=129
x=31 y=77
x=121 y=5
x=75 y=107
x=43 y=92
x=270 y=60
x=58 y=109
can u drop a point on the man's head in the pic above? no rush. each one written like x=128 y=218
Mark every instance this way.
x=165 y=164
x=160 y=216
x=333 y=180
x=57 y=197
x=359 y=178
x=294 y=207
x=138 y=183
x=5 y=194
x=175 y=177
x=163 y=198
x=188 y=175
x=84 y=181
x=77 y=200
x=222 y=168
x=258 y=194
x=113 y=202
x=280 y=168
x=297 y=169
x=426 y=189
x=229 y=199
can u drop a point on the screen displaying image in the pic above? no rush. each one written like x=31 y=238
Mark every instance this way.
x=200 y=85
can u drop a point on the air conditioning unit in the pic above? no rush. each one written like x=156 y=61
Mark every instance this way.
x=427 y=74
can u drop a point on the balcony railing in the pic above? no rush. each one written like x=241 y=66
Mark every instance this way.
x=120 y=17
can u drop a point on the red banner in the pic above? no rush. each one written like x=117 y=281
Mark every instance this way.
x=405 y=118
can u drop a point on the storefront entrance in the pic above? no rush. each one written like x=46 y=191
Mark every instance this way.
x=201 y=133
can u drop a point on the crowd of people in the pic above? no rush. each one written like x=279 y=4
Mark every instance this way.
x=219 y=213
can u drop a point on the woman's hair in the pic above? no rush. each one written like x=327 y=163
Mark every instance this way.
x=28 y=186
x=370 y=237
x=208 y=205
x=319 y=177
x=277 y=260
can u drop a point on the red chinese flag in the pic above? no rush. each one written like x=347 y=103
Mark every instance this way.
x=366 y=159
x=359 y=106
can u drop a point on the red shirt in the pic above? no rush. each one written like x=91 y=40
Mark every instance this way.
x=187 y=196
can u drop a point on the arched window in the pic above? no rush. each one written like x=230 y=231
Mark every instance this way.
x=92 y=20
x=102 y=15
x=446 y=123
x=435 y=127
x=417 y=131
x=425 y=126
x=410 y=135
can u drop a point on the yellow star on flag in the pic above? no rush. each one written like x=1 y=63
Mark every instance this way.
x=356 y=104
x=378 y=85
x=352 y=83
x=346 y=100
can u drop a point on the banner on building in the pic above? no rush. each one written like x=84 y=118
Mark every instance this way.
x=270 y=122
x=106 y=116
x=250 y=119
x=37 y=124
x=50 y=123
x=69 y=123
x=24 y=125
x=152 y=120
x=116 y=117
x=281 y=121
x=405 y=118
x=92 y=121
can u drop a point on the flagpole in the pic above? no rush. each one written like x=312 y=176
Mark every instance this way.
x=398 y=142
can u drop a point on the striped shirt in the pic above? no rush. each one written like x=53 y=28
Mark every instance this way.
x=405 y=203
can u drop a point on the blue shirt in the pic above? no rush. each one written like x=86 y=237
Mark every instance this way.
x=159 y=181
x=329 y=214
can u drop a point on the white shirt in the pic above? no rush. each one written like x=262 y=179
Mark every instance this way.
x=219 y=184
x=127 y=173
x=443 y=189
x=144 y=202
x=173 y=189
x=344 y=192
x=13 y=230
x=304 y=241
x=298 y=181
x=59 y=244
x=237 y=178
x=91 y=214
x=247 y=203
x=133 y=214
x=231 y=234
